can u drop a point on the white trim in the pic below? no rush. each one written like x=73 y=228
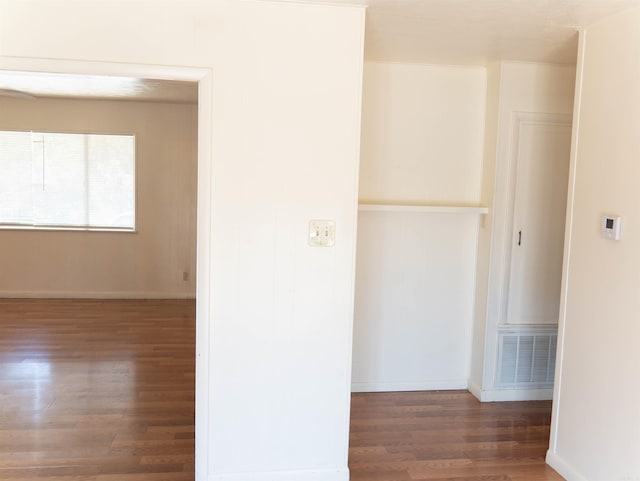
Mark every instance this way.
x=445 y=209
x=573 y=166
x=204 y=268
x=563 y=468
x=346 y=420
x=96 y=295
x=494 y=267
x=475 y=389
x=500 y=395
x=69 y=228
x=341 y=474
x=391 y=386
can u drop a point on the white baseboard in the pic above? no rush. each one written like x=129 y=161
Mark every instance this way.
x=298 y=475
x=476 y=390
x=390 y=386
x=95 y=295
x=498 y=395
x=563 y=468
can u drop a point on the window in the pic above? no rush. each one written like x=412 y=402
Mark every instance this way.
x=75 y=181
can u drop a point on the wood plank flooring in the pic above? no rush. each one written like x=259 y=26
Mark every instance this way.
x=103 y=390
x=97 y=390
x=447 y=435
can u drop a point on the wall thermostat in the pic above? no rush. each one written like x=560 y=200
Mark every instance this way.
x=611 y=227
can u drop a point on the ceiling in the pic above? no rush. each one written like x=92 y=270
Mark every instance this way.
x=32 y=85
x=453 y=32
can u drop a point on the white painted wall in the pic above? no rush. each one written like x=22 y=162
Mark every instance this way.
x=596 y=417
x=279 y=128
x=516 y=87
x=423 y=128
x=414 y=298
x=422 y=133
x=148 y=263
x=492 y=116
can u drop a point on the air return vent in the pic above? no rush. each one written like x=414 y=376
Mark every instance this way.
x=527 y=359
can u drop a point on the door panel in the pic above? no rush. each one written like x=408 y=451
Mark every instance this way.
x=542 y=163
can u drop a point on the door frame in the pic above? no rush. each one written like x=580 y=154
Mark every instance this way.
x=501 y=228
x=204 y=78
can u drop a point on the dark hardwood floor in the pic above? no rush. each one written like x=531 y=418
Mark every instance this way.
x=103 y=390
x=447 y=435
x=95 y=390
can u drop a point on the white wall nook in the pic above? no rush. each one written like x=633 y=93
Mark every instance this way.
x=419 y=213
x=461 y=228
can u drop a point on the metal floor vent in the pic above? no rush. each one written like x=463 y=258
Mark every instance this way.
x=527 y=360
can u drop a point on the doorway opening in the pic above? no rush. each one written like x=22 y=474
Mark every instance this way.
x=169 y=96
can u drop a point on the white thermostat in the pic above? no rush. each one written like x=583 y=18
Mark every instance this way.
x=611 y=227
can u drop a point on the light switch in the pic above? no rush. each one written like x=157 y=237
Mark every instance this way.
x=322 y=233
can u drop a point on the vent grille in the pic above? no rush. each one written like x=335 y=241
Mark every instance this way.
x=527 y=359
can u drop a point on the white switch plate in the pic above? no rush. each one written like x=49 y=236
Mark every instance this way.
x=322 y=233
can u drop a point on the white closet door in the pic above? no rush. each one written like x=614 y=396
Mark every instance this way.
x=542 y=163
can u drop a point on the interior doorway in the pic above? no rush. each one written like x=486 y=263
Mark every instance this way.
x=200 y=79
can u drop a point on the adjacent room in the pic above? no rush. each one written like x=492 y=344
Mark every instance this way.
x=318 y=241
x=98 y=205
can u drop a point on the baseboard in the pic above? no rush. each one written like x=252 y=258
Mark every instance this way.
x=495 y=395
x=95 y=295
x=475 y=389
x=563 y=468
x=298 y=475
x=440 y=385
x=498 y=395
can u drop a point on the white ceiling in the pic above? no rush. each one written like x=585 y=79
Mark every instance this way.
x=455 y=32
x=30 y=85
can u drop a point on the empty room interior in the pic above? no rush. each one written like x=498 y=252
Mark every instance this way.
x=355 y=240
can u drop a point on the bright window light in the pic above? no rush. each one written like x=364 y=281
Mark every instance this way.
x=67 y=181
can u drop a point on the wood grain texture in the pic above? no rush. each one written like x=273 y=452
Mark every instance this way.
x=103 y=390
x=447 y=435
x=97 y=390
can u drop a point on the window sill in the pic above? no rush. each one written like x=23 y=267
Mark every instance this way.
x=67 y=229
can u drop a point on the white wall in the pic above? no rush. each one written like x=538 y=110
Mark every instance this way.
x=513 y=87
x=423 y=130
x=148 y=263
x=492 y=115
x=596 y=417
x=422 y=133
x=279 y=127
x=414 y=296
